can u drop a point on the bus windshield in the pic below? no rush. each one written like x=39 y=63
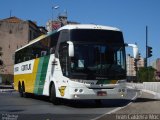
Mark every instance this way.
x=98 y=54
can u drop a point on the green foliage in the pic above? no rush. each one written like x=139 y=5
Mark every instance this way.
x=146 y=74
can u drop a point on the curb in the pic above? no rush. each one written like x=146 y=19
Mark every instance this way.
x=7 y=90
x=156 y=95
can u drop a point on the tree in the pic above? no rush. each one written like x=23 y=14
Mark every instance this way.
x=146 y=74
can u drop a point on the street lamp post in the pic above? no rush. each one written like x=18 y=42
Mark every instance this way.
x=53 y=7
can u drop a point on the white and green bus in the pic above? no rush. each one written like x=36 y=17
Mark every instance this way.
x=74 y=62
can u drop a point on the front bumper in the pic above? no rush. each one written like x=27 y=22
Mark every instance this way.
x=86 y=93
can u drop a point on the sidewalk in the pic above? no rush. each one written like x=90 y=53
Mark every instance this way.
x=144 y=107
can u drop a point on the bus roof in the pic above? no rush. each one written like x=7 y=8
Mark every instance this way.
x=69 y=27
x=88 y=26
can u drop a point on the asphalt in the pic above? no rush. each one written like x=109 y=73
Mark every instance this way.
x=144 y=107
x=40 y=108
x=77 y=110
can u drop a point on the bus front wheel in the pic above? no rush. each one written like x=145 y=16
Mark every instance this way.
x=53 y=97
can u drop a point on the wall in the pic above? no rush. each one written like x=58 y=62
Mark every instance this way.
x=12 y=36
x=150 y=87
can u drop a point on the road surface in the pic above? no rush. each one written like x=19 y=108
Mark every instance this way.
x=39 y=107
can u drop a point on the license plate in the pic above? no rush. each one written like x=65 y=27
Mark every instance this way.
x=101 y=93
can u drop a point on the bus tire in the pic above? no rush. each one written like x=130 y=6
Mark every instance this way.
x=25 y=94
x=20 y=90
x=53 y=97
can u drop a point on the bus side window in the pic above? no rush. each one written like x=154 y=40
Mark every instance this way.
x=53 y=42
x=24 y=59
x=19 y=60
x=17 y=57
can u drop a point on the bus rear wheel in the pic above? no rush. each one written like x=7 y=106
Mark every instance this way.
x=21 y=90
x=25 y=94
x=53 y=97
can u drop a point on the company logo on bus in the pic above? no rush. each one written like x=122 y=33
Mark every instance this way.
x=24 y=68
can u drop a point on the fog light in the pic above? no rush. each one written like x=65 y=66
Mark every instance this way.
x=122 y=95
x=76 y=90
x=123 y=90
x=81 y=90
x=119 y=90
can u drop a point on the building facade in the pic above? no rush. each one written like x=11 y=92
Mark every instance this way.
x=131 y=71
x=156 y=65
x=15 y=33
x=61 y=20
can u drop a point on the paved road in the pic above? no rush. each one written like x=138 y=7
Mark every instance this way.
x=38 y=107
x=145 y=107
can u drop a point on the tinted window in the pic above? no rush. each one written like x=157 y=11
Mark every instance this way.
x=106 y=36
x=41 y=48
x=53 y=42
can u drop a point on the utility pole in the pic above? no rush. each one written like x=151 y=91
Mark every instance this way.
x=146 y=61
x=148 y=53
x=10 y=13
x=53 y=8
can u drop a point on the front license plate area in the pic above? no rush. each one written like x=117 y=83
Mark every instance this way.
x=101 y=93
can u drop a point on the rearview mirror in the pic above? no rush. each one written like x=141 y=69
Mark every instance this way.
x=135 y=50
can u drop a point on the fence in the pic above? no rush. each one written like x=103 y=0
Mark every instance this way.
x=138 y=86
x=151 y=87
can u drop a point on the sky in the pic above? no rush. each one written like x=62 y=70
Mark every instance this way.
x=130 y=16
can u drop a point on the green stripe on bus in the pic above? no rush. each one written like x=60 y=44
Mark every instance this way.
x=41 y=75
x=36 y=85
